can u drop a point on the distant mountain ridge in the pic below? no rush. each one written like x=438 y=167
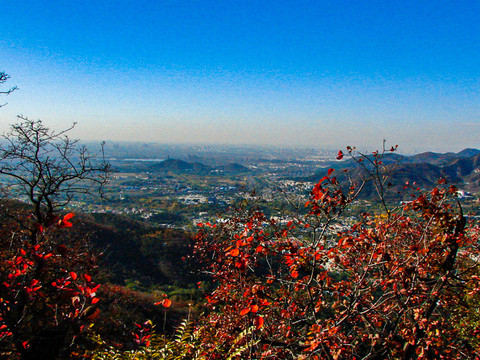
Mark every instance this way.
x=425 y=169
x=469 y=152
x=441 y=158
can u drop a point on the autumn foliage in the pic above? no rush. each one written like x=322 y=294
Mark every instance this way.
x=387 y=286
x=48 y=297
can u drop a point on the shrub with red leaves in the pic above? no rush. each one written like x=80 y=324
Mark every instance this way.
x=320 y=287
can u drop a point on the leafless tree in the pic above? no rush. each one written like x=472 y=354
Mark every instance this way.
x=48 y=168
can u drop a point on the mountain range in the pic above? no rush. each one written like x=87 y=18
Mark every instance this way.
x=424 y=170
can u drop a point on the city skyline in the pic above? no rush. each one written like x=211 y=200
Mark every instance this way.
x=311 y=73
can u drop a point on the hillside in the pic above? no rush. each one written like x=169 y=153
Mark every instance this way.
x=179 y=166
x=132 y=250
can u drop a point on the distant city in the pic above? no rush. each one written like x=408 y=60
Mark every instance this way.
x=177 y=186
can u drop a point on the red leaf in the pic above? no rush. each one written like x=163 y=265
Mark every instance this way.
x=87 y=277
x=91 y=313
x=63 y=223
x=73 y=275
x=245 y=311
x=258 y=322
x=234 y=252
x=166 y=303
x=254 y=308
x=39 y=228
x=95 y=300
x=68 y=216
x=340 y=155
x=323 y=179
x=330 y=171
x=241 y=265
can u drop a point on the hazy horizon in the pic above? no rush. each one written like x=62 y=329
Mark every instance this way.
x=332 y=150
x=313 y=73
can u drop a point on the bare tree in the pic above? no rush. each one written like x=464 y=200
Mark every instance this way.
x=48 y=168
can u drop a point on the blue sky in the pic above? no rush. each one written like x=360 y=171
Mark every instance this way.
x=315 y=73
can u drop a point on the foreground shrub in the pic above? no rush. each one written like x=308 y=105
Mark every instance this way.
x=47 y=294
x=389 y=286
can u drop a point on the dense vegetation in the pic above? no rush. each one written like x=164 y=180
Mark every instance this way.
x=394 y=285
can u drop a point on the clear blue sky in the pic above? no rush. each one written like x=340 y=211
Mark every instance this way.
x=317 y=73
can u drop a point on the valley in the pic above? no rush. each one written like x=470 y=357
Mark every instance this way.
x=197 y=184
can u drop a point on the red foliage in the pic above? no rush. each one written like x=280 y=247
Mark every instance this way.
x=64 y=222
x=142 y=333
x=165 y=303
x=386 y=287
x=44 y=304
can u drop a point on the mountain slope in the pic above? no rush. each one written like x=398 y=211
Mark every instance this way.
x=132 y=250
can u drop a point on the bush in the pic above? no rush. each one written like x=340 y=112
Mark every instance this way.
x=390 y=286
